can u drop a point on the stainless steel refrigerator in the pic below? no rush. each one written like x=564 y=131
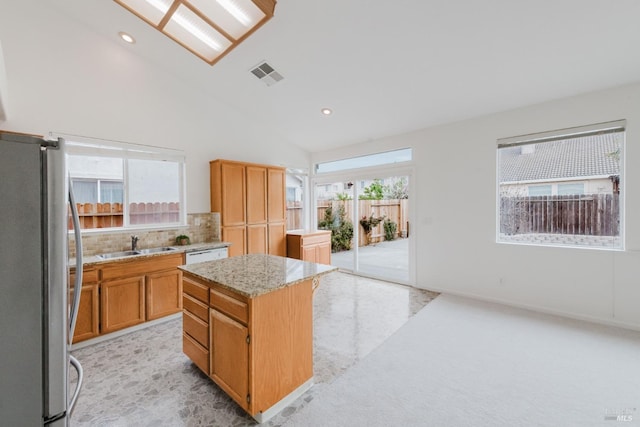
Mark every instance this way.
x=37 y=312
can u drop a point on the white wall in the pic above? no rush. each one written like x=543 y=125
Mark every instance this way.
x=455 y=224
x=63 y=78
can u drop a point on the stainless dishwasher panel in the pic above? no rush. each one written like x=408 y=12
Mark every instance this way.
x=206 y=255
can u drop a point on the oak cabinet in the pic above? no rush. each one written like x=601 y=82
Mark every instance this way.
x=231 y=199
x=195 y=323
x=257 y=239
x=253 y=218
x=277 y=194
x=259 y=349
x=277 y=239
x=124 y=293
x=122 y=303
x=163 y=293
x=229 y=360
x=257 y=198
x=312 y=246
x=88 y=320
x=237 y=236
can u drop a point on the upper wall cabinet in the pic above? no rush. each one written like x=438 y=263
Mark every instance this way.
x=252 y=205
x=277 y=195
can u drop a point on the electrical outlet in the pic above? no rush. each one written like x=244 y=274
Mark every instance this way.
x=197 y=222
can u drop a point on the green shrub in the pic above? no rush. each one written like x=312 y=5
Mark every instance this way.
x=341 y=228
x=390 y=229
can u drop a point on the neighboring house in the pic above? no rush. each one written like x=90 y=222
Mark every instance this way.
x=585 y=165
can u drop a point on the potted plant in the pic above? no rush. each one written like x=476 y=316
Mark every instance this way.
x=368 y=224
x=183 y=240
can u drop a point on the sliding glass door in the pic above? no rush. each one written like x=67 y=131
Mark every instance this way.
x=369 y=219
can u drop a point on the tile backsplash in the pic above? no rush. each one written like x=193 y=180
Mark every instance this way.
x=208 y=230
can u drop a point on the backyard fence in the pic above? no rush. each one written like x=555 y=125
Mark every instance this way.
x=396 y=210
x=588 y=214
x=107 y=215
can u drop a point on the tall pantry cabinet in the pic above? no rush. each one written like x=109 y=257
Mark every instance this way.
x=252 y=205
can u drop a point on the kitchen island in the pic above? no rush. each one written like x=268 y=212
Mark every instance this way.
x=248 y=325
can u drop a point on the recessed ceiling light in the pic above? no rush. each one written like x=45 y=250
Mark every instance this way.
x=326 y=111
x=126 y=37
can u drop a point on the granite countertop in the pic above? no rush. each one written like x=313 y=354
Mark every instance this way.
x=92 y=260
x=255 y=275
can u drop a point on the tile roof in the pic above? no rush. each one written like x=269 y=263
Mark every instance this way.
x=575 y=157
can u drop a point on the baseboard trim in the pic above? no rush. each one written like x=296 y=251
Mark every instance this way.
x=116 y=334
x=545 y=310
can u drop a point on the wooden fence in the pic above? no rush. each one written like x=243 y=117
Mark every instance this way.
x=396 y=210
x=589 y=215
x=107 y=215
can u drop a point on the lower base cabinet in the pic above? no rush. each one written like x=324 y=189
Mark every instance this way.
x=163 y=293
x=121 y=294
x=88 y=320
x=311 y=246
x=122 y=303
x=229 y=361
x=259 y=350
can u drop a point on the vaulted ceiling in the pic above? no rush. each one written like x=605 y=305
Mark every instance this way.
x=386 y=68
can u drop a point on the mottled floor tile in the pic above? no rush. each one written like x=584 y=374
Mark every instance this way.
x=144 y=379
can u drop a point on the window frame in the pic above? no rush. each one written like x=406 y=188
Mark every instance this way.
x=84 y=146
x=617 y=126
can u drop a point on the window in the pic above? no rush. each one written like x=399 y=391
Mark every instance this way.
x=98 y=191
x=539 y=190
x=377 y=159
x=120 y=185
x=562 y=187
x=297 y=182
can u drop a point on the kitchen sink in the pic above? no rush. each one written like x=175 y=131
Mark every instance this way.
x=155 y=250
x=118 y=254
x=122 y=254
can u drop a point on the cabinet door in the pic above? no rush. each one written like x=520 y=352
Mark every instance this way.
x=277 y=195
x=309 y=253
x=237 y=237
x=257 y=239
x=122 y=303
x=323 y=253
x=233 y=188
x=229 y=360
x=256 y=195
x=88 y=314
x=164 y=293
x=278 y=239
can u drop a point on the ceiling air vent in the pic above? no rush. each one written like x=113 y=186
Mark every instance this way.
x=267 y=74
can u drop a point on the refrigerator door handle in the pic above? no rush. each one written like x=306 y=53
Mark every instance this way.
x=78 y=367
x=78 y=282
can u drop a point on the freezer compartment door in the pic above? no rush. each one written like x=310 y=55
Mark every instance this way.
x=21 y=264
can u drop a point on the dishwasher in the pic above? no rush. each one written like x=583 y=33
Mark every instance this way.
x=206 y=255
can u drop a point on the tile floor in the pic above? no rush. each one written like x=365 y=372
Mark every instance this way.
x=144 y=379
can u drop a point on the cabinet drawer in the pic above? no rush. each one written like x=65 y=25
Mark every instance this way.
x=198 y=354
x=88 y=276
x=196 y=328
x=195 y=307
x=134 y=266
x=196 y=290
x=230 y=306
x=315 y=239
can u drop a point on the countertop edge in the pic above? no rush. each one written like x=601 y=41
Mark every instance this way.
x=260 y=291
x=252 y=291
x=93 y=260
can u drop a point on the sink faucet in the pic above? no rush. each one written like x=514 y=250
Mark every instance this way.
x=134 y=243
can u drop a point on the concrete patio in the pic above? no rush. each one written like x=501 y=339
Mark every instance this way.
x=388 y=260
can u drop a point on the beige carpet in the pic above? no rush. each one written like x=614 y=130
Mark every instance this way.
x=461 y=362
